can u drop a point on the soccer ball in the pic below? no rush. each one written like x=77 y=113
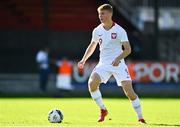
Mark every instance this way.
x=55 y=116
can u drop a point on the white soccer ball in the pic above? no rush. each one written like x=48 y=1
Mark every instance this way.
x=55 y=116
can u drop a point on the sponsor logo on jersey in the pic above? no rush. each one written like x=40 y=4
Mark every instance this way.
x=100 y=41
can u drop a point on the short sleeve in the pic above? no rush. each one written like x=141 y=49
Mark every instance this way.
x=123 y=36
x=94 y=36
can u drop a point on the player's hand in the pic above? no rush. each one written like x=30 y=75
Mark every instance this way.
x=81 y=67
x=116 y=62
x=81 y=64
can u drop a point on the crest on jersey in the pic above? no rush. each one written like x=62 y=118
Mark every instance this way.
x=113 y=35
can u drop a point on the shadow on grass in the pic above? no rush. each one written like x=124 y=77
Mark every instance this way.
x=168 y=125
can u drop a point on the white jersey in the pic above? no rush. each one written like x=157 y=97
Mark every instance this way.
x=42 y=59
x=110 y=42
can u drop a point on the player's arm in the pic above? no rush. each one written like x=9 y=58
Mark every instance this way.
x=89 y=51
x=124 y=54
x=126 y=51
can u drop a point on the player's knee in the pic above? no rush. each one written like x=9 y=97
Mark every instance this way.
x=128 y=89
x=93 y=84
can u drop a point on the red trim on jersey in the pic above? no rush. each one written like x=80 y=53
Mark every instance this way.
x=113 y=24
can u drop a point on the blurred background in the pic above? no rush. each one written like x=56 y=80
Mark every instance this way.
x=42 y=40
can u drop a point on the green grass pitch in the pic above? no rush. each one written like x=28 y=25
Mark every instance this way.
x=82 y=112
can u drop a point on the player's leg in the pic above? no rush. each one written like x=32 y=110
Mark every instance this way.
x=123 y=79
x=93 y=84
x=128 y=90
x=98 y=76
x=42 y=79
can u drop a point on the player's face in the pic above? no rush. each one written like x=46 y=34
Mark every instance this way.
x=104 y=15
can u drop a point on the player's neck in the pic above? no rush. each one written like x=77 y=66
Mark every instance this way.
x=108 y=25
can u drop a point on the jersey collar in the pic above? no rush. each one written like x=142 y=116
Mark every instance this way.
x=110 y=27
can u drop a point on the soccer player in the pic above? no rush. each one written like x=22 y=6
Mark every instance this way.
x=111 y=37
x=43 y=66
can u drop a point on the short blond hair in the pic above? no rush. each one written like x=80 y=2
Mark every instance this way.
x=107 y=7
